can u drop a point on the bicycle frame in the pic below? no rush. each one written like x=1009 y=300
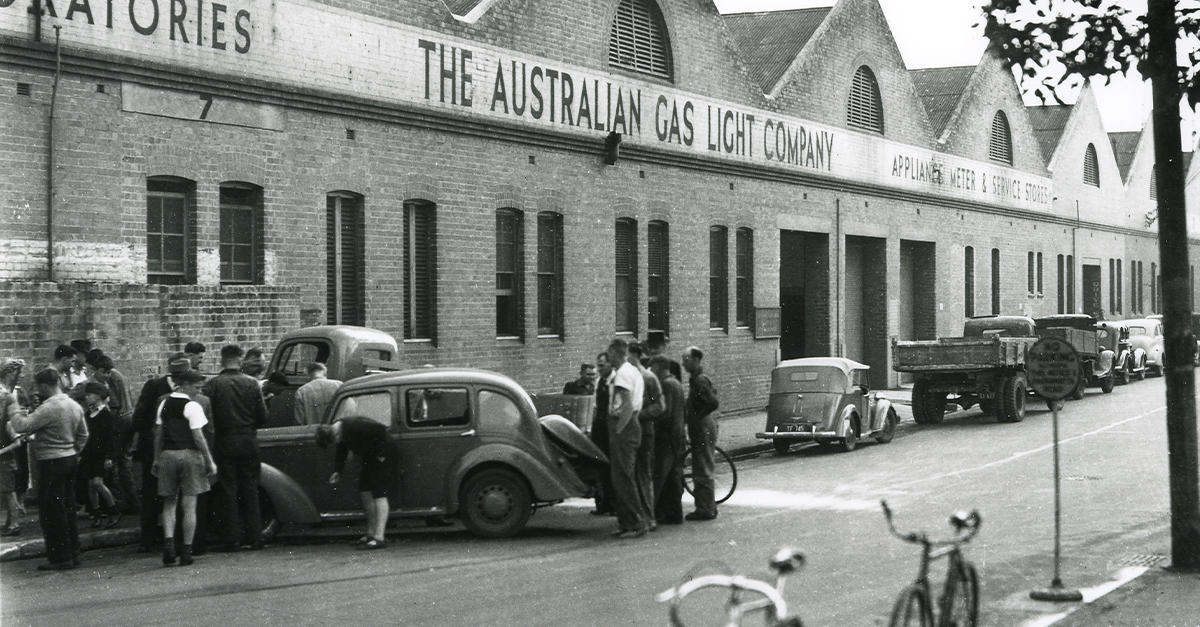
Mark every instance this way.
x=956 y=567
x=784 y=562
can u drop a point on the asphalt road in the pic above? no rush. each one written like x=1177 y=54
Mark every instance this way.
x=565 y=570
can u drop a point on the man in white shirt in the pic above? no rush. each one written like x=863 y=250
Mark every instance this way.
x=626 y=388
x=182 y=461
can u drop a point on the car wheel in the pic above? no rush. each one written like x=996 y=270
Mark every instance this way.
x=266 y=513
x=1107 y=383
x=1123 y=373
x=495 y=503
x=781 y=446
x=888 y=432
x=851 y=439
x=1157 y=371
x=1012 y=401
x=1140 y=375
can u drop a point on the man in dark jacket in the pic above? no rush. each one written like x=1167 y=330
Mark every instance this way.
x=380 y=456
x=702 y=430
x=238 y=412
x=144 y=414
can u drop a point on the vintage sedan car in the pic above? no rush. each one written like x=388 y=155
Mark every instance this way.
x=1128 y=361
x=1147 y=334
x=471 y=446
x=825 y=400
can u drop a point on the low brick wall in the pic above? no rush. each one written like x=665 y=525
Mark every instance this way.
x=139 y=326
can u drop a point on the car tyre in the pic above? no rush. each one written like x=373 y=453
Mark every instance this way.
x=1157 y=371
x=888 y=431
x=1123 y=373
x=1107 y=383
x=496 y=503
x=1012 y=400
x=851 y=440
x=781 y=446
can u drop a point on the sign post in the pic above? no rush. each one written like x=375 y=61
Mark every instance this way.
x=1053 y=369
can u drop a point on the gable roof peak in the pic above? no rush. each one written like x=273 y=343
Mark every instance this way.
x=770 y=41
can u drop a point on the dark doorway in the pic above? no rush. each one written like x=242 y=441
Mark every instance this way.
x=864 y=332
x=1093 y=302
x=804 y=294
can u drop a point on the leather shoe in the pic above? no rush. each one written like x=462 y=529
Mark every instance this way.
x=633 y=533
x=699 y=516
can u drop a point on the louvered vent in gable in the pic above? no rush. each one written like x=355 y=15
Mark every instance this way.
x=864 y=109
x=1000 y=148
x=639 y=40
x=1091 y=167
x=1154 y=183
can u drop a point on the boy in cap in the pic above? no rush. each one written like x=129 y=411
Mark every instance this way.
x=96 y=457
x=144 y=414
x=182 y=462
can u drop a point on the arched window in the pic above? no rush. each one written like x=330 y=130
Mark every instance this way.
x=345 y=259
x=864 y=109
x=1091 y=167
x=1000 y=148
x=639 y=40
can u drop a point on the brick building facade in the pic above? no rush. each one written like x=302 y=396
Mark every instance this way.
x=226 y=173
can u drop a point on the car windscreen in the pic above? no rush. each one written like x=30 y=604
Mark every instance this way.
x=801 y=379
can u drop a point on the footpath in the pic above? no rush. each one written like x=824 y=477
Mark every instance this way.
x=1158 y=597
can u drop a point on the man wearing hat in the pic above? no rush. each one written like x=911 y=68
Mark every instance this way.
x=144 y=414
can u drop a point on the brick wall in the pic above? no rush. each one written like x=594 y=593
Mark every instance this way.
x=139 y=326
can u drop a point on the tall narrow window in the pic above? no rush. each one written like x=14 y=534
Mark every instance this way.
x=864 y=108
x=1112 y=285
x=638 y=40
x=1141 y=301
x=170 y=228
x=1062 y=285
x=1154 y=183
x=1029 y=271
x=1154 y=287
x=1134 y=307
x=1000 y=146
x=1091 y=167
x=658 y=284
x=345 y=266
x=1120 y=288
x=241 y=250
x=718 y=277
x=995 y=281
x=1039 y=274
x=420 y=270
x=550 y=273
x=1070 y=284
x=745 y=276
x=969 y=282
x=626 y=279
x=510 y=268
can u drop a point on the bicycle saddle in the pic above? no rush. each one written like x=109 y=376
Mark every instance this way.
x=787 y=560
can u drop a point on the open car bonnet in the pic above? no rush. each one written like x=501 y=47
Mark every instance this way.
x=571 y=439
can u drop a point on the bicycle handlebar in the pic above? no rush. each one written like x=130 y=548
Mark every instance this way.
x=960 y=521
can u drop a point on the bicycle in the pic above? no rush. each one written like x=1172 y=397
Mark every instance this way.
x=767 y=598
x=724 y=474
x=958 y=605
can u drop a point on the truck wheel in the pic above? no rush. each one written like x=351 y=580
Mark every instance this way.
x=1077 y=393
x=928 y=407
x=1107 y=383
x=1012 y=401
x=495 y=503
x=987 y=407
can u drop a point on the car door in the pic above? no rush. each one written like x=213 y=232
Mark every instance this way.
x=857 y=397
x=437 y=426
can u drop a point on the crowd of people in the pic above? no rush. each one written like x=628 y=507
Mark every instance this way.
x=645 y=424
x=82 y=430
x=77 y=437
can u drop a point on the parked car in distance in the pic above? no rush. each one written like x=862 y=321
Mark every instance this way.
x=1147 y=334
x=471 y=446
x=348 y=352
x=1128 y=362
x=825 y=400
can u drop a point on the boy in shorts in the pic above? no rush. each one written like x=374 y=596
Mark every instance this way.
x=369 y=441
x=182 y=462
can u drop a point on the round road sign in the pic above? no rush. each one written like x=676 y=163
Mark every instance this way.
x=1052 y=367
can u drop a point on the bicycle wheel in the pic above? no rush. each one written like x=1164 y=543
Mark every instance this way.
x=724 y=474
x=912 y=608
x=960 y=597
